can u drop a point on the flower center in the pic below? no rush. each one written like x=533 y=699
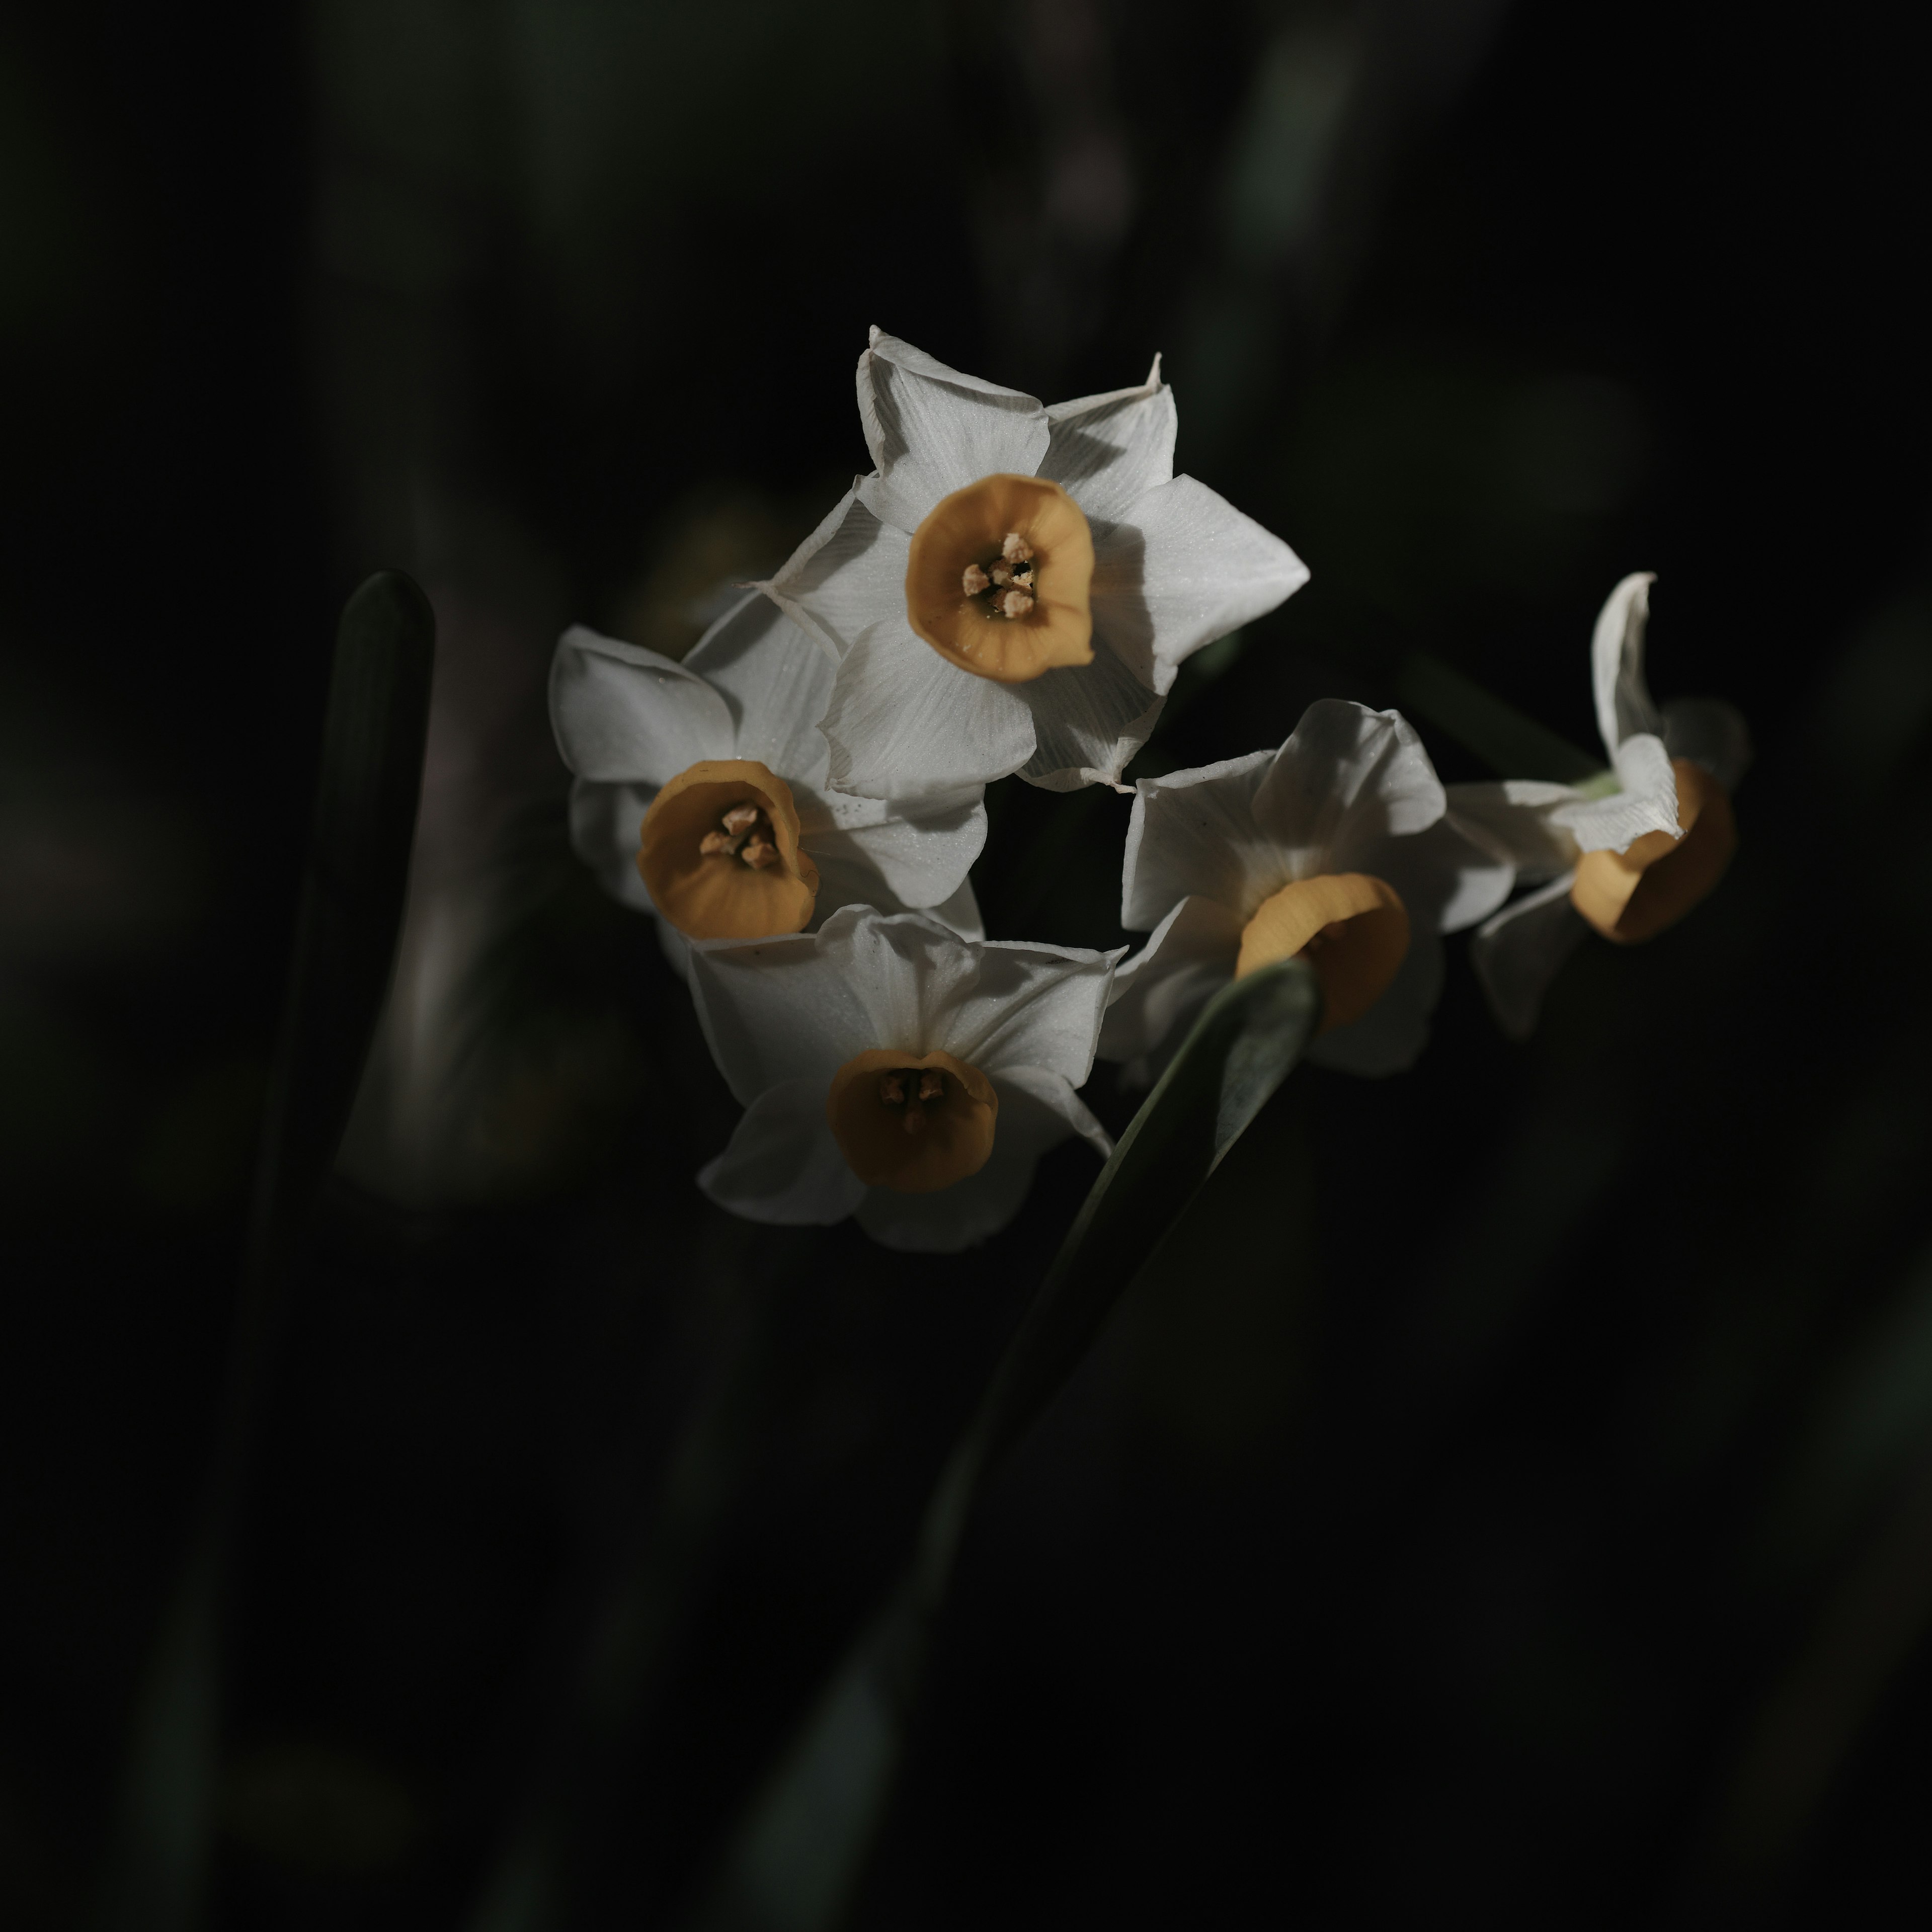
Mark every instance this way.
x=998 y=579
x=1005 y=582
x=1352 y=928
x=1633 y=896
x=744 y=833
x=913 y=1122
x=718 y=853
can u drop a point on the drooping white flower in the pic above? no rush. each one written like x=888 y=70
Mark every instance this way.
x=1629 y=854
x=1338 y=848
x=700 y=794
x=1013 y=587
x=891 y=1069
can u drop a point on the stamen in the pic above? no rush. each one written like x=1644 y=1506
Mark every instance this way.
x=915 y=1120
x=932 y=1084
x=892 y=1089
x=744 y=832
x=1009 y=577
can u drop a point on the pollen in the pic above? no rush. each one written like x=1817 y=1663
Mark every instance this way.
x=898 y=1090
x=1009 y=575
x=743 y=833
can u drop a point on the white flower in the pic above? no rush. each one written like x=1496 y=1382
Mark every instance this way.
x=1338 y=847
x=1013 y=588
x=730 y=733
x=1629 y=854
x=891 y=1069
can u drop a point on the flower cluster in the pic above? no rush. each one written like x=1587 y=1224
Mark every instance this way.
x=1011 y=591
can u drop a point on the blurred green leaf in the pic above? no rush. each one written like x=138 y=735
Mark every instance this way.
x=351 y=912
x=1513 y=746
x=796 y=1861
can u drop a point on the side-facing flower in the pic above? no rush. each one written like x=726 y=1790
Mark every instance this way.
x=701 y=797
x=891 y=1069
x=1337 y=847
x=1013 y=587
x=1628 y=854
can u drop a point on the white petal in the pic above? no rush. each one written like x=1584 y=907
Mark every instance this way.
x=1513 y=815
x=1189 y=957
x=932 y=430
x=845 y=577
x=1623 y=704
x=961 y=913
x=905 y=724
x=604 y=823
x=1030 y=1006
x=1711 y=733
x=1194 y=831
x=1037 y=1111
x=997 y=1003
x=1182 y=568
x=676 y=948
x=1646 y=802
x=783 y=1165
x=621 y=712
x=1106 y=451
x=1389 y=1037
x=779 y=1009
x=1516 y=955
x=1447 y=879
x=798 y=1008
x=1088 y=720
x=898 y=863
x=1347 y=779
x=776 y=681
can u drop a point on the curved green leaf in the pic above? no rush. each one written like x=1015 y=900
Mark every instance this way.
x=350 y=914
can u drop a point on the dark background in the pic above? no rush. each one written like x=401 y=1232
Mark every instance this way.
x=1510 y=1501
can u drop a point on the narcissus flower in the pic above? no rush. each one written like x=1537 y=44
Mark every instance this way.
x=891 y=1069
x=1013 y=587
x=701 y=795
x=1337 y=847
x=1629 y=854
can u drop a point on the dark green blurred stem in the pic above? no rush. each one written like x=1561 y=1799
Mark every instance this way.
x=1513 y=746
x=635 y=1631
x=795 y=1863
x=351 y=910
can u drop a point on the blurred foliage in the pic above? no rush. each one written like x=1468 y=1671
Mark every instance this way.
x=1513 y=1508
